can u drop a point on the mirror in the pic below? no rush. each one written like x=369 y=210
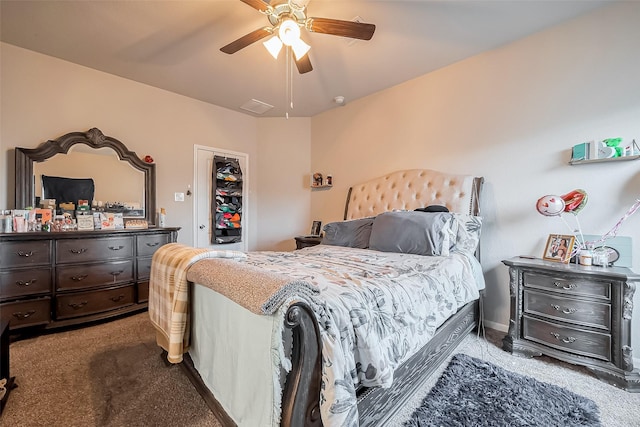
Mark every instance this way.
x=93 y=155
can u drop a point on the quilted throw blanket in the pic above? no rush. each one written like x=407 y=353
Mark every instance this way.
x=168 y=294
x=375 y=310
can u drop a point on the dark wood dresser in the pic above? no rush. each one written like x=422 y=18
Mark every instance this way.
x=581 y=315
x=51 y=280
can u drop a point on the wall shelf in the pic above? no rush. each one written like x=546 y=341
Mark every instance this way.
x=633 y=146
x=610 y=159
x=318 y=187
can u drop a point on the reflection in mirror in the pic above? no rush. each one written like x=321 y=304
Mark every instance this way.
x=115 y=181
x=120 y=176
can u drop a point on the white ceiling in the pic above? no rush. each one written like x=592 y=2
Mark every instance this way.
x=174 y=45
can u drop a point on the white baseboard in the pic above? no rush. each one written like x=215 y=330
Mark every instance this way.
x=495 y=325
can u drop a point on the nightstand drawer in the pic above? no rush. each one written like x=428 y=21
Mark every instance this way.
x=573 y=286
x=85 y=303
x=586 y=313
x=21 y=314
x=574 y=340
x=16 y=283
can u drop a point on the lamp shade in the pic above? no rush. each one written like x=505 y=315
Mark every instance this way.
x=273 y=45
x=289 y=32
x=300 y=48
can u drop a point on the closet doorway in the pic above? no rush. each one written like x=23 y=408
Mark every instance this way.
x=206 y=205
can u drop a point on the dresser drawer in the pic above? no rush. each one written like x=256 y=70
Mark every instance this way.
x=16 y=283
x=573 y=286
x=573 y=340
x=144 y=268
x=143 y=292
x=85 y=303
x=21 y=314
x=86 y=276
x=148 y=245
x=70 y=251
x=586 y=313
x=25 y=254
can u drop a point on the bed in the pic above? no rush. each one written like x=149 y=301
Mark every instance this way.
x=342 y=333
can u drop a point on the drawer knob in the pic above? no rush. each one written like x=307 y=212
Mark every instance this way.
x=25 y=254
x=78 y=251
x=565 y=310
x=77 y=305
x=20 y=315
x=27 y=283
x=566 y=340
x=79 y=278
x=565 y=285
x=118 y=298
x=154 y=244
x=116 y=248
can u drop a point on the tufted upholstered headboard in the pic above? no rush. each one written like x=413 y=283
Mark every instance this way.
x=411 y=189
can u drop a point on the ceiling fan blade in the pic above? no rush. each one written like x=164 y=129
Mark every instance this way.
x=257 y=4
x=304 y=64
x=246 y=40
x=336 y=27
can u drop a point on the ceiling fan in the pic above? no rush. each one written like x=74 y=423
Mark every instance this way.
x=286 y=19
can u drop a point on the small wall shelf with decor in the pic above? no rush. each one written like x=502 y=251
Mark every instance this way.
x=581 y=154
x=319 y=180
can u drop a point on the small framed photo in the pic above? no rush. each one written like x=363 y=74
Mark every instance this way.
x=315 y=228
x=317 y=180
x=559 y=247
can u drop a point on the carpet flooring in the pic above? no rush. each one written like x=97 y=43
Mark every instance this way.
x=473 y=392
x=111 y=374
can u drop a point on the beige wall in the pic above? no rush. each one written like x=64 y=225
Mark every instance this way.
x=44 y=98
x=512 y=116
x=284 y=202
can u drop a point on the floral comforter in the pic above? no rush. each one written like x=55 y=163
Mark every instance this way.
x=375 y=310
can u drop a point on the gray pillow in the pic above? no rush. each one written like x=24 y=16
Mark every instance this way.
x=410 y=232
x=354 y=233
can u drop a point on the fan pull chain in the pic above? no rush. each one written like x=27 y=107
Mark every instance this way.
x=289 y=82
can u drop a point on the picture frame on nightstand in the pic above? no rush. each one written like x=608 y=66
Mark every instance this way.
x=559 y=248
x=315 y=228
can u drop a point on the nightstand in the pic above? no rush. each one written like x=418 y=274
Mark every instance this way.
x=306 y=241
x=578 y=314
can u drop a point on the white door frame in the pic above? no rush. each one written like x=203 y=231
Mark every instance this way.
x=245 y=189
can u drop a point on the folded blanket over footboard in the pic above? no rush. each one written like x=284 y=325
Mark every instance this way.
x=254 y=288
x=168 y=294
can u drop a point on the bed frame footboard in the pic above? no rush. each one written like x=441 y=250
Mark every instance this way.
x=301 y=395
x=376 y=406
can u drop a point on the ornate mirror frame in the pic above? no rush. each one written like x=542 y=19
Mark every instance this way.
x=25 y=157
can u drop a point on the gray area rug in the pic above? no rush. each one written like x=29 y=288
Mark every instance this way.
x=473 y=392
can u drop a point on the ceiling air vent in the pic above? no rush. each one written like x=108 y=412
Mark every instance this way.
x=256 y=107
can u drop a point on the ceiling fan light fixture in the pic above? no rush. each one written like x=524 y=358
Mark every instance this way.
x=298 y=4
x=289 y=32
x=273 y=45
x=300 y=49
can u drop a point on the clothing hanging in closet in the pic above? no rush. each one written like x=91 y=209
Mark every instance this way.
x=227 y=200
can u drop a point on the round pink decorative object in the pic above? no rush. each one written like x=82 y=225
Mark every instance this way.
x=550 y=205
